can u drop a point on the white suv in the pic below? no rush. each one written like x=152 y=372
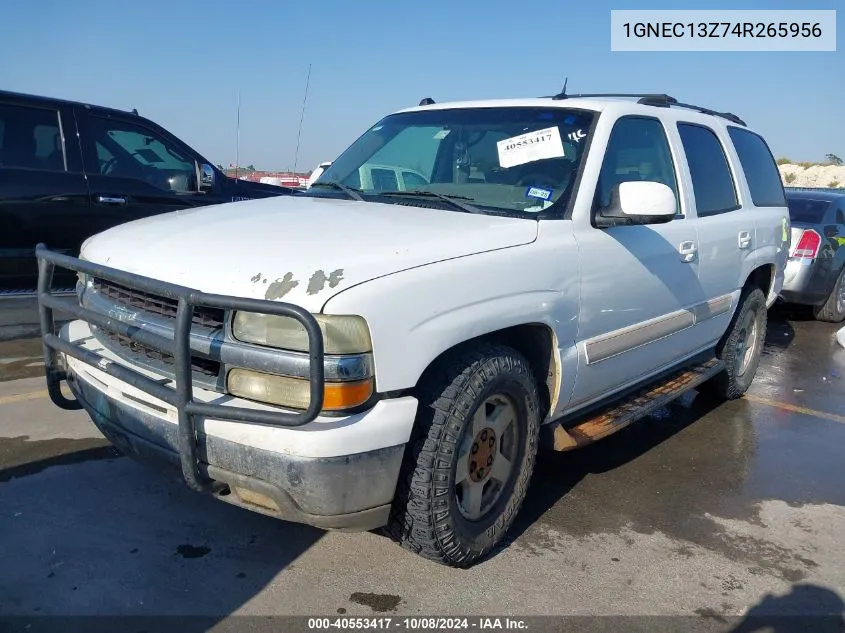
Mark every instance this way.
x=358 y=357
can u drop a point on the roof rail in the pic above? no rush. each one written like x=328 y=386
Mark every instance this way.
x=656 y=100
x=725 y=115
x=563 y=95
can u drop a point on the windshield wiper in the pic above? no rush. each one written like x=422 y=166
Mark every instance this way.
x=455 y=201
x=349 y=191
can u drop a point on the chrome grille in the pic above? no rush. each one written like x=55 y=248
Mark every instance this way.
x=211 y=318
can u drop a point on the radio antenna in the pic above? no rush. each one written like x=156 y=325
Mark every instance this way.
x=301 y=117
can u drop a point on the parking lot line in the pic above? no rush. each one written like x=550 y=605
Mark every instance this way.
x=23 y=397
x=795 y=408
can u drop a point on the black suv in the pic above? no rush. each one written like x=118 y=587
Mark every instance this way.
x=70 y=170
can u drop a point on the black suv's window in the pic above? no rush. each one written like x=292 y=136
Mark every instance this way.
x=712 y=182
x=127 y=150
x=760 y=168
x=637 y=151
x=807 y=210
x=30 y=138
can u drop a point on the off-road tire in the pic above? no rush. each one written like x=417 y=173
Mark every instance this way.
x=425 y=517
x=830 y=311
x=730 y=384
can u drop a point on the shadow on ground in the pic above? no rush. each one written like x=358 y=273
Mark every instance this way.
x=806 y=608
x=108 y=536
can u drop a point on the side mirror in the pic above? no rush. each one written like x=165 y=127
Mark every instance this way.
x=206 y=177
x=638 y=202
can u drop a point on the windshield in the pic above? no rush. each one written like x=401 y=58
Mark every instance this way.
x=516 y=160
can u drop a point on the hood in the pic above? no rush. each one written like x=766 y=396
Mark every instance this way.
x=298 y=249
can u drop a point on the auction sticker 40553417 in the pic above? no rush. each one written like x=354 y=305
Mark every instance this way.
x=531 y=146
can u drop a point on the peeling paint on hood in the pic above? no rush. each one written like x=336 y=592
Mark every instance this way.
x=306 y=249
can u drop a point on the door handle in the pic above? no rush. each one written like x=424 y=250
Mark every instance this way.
x=111 y=200
x=687 y=251
x=744 y=239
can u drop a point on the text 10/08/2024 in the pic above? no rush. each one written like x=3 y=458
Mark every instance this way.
x=417 y=623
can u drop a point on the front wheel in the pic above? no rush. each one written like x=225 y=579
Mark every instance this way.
x=741 y=347
x=467 y=469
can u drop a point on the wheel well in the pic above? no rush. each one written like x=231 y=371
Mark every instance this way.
x=762 y=277
x=535 y=341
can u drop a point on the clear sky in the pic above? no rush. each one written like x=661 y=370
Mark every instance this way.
x=182 y=64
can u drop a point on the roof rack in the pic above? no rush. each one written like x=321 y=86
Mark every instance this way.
x=656 y=100
x=725 y=115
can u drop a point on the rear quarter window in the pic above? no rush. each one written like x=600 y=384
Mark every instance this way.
x=760 y=168
x=807 y=210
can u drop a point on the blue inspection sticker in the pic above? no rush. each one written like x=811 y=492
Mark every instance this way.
x=538 y=192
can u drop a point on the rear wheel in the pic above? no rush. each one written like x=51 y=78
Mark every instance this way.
x=467 y=469
x=740 y=347
x=833 y=310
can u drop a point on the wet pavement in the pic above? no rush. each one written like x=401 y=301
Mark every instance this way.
x=21 y=358
x=701 y=509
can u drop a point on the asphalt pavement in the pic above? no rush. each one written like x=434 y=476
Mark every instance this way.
x=706 y=511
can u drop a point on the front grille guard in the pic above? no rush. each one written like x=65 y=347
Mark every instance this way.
x=181 y=398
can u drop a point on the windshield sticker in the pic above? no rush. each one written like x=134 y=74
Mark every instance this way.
x=569 y=120
x=441 y=134
x=576 y=136
x=527 y=148
x=539 y=193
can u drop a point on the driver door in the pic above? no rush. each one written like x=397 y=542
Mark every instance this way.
x=133 y=170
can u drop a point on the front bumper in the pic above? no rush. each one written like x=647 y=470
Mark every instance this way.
x=807 y=281
x=331 y=472
x=351 y=492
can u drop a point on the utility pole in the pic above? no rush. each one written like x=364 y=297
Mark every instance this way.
x=238 y=137
x=301 y=117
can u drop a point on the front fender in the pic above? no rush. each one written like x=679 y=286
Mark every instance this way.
x=416 y=315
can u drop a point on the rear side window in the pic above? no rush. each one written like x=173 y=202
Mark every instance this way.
x=807 y=210
x=30 y=139
x=760 y=168
x=712 y=183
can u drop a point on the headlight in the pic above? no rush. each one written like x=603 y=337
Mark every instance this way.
x=342 y=334
x=296 y=392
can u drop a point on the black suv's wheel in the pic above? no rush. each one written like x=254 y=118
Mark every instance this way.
x=833 y=310
x=740 y=347
x=467 y=469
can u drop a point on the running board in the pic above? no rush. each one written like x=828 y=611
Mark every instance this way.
x=638 y=405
